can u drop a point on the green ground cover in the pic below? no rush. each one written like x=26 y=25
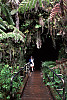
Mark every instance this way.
x=56 y=83
x=6 y=72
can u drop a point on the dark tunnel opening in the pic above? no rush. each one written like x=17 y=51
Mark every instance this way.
x=46 y=53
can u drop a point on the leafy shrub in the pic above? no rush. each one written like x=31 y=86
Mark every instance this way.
x=47 y=73
x=49 y=64
x=5 y=78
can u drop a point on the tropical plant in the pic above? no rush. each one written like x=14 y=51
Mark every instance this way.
x=5 y=77
x=58 y=20
x=6 y=13
x=49 y=63
x=26 y=5
x=48 y=77
x=16 y=34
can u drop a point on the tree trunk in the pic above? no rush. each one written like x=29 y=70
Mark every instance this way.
x=61 y=5
x=17 y=20
x=10 y=54
x=17 y=15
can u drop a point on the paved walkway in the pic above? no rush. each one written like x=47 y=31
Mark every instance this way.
x=35 y=88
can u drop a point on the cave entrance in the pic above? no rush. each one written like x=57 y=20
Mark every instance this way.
x=46 y=53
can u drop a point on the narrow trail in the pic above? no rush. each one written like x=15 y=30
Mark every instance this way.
x=35 y=88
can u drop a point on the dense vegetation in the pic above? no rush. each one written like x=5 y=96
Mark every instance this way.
x=50 y=71
x=5 y=78
x=25 y=24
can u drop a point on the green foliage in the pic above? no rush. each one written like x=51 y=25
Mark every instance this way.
x=40 y=3
x=34 y=3
x=62 y=53
x=50 y=83
x=46 y=70
x=27 y=23
x=5 y=77
x=9 y=33
x=37 y=26
x=3 y=23
x=47 y=73
x=6 y=12
x=28 y=5
x=14 y=11
x=16 y=34
x=49 y=63
x=31 y=4
x=1 y=26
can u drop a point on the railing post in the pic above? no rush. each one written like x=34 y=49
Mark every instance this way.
x=64 y=93
x=53 y=77
x=26 y=69
x=65 y=88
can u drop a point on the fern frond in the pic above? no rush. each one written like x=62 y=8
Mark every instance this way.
x=28 y=4
x=7 y=14
x=2 y=27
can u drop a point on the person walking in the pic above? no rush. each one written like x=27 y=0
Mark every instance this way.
x=31 y=60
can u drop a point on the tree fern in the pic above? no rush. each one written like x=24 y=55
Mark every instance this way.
x=6 y=12
x=16 y=34
x=28 y=4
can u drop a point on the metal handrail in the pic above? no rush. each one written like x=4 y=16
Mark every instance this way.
x=26 y=68
x=61 y=80
x=56 y=74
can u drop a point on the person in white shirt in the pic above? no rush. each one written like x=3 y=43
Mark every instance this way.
x=31 y=60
